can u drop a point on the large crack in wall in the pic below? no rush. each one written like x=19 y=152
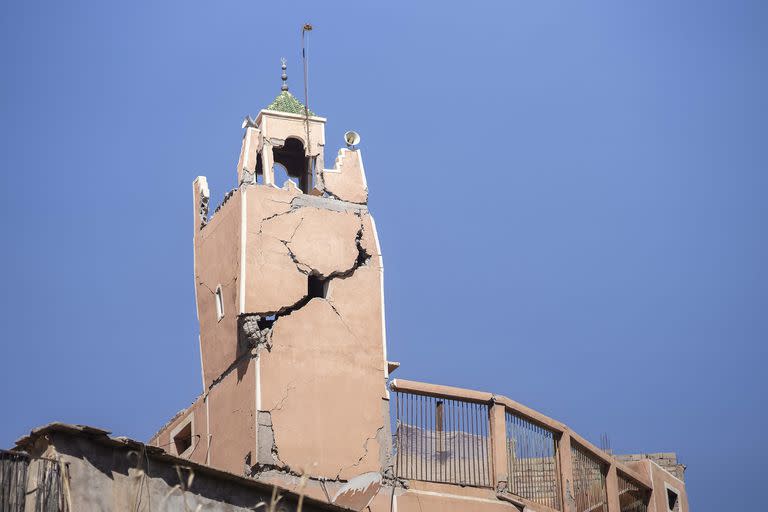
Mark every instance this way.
x=304 y=297
x=325 y=246
x=257 y=324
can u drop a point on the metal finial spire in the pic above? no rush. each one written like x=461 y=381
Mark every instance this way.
x=284 y=76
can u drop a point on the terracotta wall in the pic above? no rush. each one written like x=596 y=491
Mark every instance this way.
x=661 y=480
x=232 y=419
x=197 y=412
x=305 y=391
x=323 y=379
x=217 y=262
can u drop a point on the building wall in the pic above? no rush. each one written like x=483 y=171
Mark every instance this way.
x=217 y=263
x=662 y=480
x=667 y=460
x=197 y=415
x=295 y=371
x=232 y=419
x=323 y=378
x=92 y=473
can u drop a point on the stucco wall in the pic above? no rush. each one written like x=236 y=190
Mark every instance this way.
x=430 y=497
x=323 y=378
x=346 y=180
x=294 y=378
x=197 y=412
x=661 y=479
x=232 y=419
x=217 y=262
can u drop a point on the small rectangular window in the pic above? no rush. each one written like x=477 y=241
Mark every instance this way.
x=182 y=437
x=219 y=304
x=673 y=500
x=183 y=440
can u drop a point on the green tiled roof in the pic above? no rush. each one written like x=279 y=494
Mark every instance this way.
x=287 y=102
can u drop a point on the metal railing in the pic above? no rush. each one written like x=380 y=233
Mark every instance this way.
x=589 y=475
x=465 y=437
x=532 y=461
x=442 y=440
x=632 y=497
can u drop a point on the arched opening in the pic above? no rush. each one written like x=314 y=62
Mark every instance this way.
x=259 y=169
x=280 y=174
x=298 y=166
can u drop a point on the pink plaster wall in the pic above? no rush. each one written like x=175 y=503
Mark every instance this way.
x=217 y=262
x=231 y=405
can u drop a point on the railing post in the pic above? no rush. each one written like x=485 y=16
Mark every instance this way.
x=612 y=489
x=439 y=426
x=566 y=472
x=499 y=445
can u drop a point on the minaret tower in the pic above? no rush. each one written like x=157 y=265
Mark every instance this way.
x=289 y=292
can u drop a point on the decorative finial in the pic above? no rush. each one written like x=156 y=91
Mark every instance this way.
x=284 y=76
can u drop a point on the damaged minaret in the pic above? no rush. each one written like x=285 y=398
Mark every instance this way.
x=289 y=290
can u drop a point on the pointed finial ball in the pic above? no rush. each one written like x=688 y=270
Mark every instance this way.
x=284 y=76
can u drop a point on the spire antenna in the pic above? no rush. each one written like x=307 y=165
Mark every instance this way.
x=305 y=30
x=304 y=44
x=284 y=76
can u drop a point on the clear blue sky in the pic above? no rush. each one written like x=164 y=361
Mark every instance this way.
x=571 y=199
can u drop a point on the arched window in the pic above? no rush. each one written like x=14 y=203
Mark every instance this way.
x=281 y=175
x=297 y=165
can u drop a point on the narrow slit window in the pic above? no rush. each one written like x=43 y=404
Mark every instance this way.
x=219 y=303
x=259 y=169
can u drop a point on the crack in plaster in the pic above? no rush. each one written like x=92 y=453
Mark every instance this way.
x=231 y=368
x=274 y=215
x=333 y=196
x=213 y=292
x=279 y=405
x=258 y=470
x=328 y=203
x=259 y=336
x=363 y=258
x=364 y=455
x=333 y=307
x=264 y=421
x=299 y=265
x=339 y=168
x=327 y=193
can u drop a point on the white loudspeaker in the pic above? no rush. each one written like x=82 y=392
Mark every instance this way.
x=352 y=138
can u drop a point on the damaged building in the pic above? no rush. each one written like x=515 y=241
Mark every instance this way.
x=297 y=393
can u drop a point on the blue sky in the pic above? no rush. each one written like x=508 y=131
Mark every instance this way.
x=570 y=196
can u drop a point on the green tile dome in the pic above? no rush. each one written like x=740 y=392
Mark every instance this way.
x=287 y=102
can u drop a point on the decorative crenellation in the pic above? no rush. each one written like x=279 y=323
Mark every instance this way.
x=227 y=196
x=203 y=201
